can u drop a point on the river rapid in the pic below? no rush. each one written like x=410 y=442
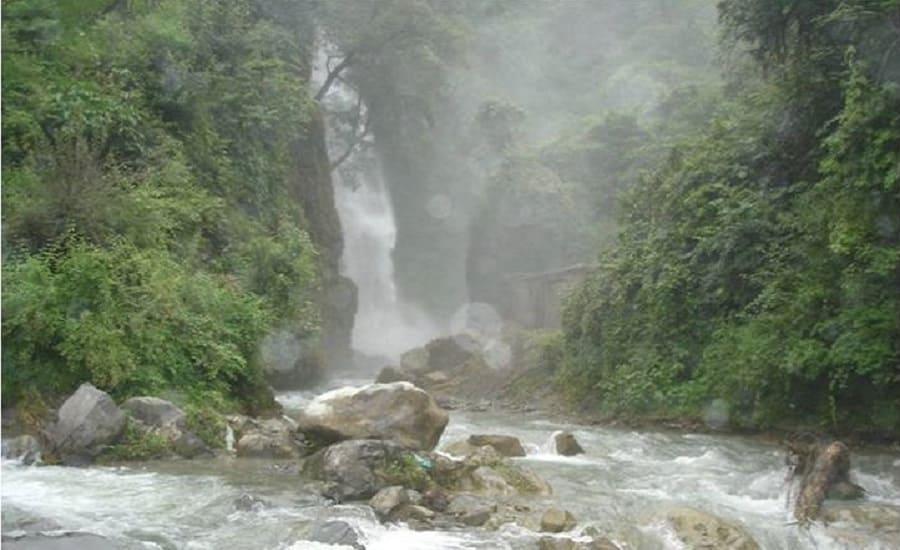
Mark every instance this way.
x=623 y=486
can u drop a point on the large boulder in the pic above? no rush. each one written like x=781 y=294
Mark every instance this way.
x=88 y=421
x=398 y=412
x=355 y=469
x=486 y=473
x=699 y=529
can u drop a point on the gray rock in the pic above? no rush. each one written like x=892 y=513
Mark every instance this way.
x=504 y=444
x=153 y=411
x=189 y=445
x=398 y=412
x=845 y=490
x=698 y=529
x=335 y=532
x=389 y=375
x=566 y=444
x=16 y=519
x=353 y=469
x=471 y=510
x=87 y=422
x=25 y=448
x=63 y=541
x=555 y=520
x=386 y=500
x=270 y=438
x=869 y=515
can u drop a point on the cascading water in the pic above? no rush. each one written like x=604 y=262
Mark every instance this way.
x=384 y=325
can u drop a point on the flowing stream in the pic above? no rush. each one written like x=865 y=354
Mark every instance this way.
x=622 y=486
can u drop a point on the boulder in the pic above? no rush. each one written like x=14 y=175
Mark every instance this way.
x=699 y=529
x=566 y=444
x=189 y=445
x=487 y=473
x=845 y=490
x=87 y=421
x=565 y=543
x=338 y=533
x=355 y=469
x=398 y=412
x=25 y=448
x=269 y=438
x=555 y=520
x=388 y=375
x=153 y=411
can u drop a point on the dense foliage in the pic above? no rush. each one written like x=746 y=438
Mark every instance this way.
x=151 y=238
x=758 y=267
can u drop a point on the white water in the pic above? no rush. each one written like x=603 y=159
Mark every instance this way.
x=623 y=486
x=384 y=326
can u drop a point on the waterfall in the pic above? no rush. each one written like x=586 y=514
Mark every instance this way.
x=384 y=326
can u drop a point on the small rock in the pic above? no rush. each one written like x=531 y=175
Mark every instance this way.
x=189 y=445
x=387 y=499
x=566 y=444
x=558 y=543
x=391 y=374
x=555 y=520
x=335 y=532
x=412 y=512
x=504 y=444
x=436 y=499
x=471 y=510
x=25 y=448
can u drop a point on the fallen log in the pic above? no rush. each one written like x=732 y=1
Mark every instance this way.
x=823 y=467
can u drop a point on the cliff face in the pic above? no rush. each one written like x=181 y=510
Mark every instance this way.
x=314 y=191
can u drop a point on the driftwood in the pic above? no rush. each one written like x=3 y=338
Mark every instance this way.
x=824 y=471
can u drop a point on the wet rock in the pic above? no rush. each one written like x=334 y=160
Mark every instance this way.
x=564 y=543
x=487 y=473
x=459 y=448
x=471 y=510
x=845 y=490
x=436 y=499
x=25 y=448
x=869 y=515
x=270 y=438
x=71 y=540
x=700 y=530
x=250 y=503
x=154 y=412
x=504 y=444
x=566 y=444
x=87 y=421
x=355 y=469
x=555 y=520
x=412 y=513
x=335 y=532
x=398 y=411
x=386 y=500
x=189 y=445
x=16 y=519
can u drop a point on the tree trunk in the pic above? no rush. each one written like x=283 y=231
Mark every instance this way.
x=831 y=466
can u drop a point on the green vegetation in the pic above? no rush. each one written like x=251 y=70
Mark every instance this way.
x=152 y=232
x=137 y=444
x=759 y=261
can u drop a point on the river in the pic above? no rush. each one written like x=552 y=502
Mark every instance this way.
x=622 y=486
